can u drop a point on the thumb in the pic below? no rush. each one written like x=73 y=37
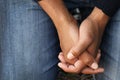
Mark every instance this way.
x=89 y=60
x=79 y=48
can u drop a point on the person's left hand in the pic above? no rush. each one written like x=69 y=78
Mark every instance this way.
x=90 y=34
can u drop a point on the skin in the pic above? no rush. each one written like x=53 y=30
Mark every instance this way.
x=78 y=65
x=83 y=42
x=90 y=33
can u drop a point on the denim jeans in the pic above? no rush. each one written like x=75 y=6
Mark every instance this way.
x=110 y=47
x=29 y=43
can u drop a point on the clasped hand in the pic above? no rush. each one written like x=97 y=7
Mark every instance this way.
x=79 y=46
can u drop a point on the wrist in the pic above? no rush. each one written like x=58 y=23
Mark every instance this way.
x=66 y=24
x=99 y=17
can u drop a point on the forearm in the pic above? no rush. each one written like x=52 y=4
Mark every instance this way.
x=57 y=12
x=65 y=24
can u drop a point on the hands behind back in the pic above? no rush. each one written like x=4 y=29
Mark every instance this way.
x=70 y=37
x=89 y=38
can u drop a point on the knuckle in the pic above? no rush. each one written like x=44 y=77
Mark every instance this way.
x=86 y=58
x=75 y=52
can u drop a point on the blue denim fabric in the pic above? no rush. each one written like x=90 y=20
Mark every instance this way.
x=29 y=43
x=110 y=46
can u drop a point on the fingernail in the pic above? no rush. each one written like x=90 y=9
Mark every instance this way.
x=59 y=64
x=70 y=56
x=94 y=65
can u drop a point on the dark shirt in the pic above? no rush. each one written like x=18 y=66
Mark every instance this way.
x=109 y=7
